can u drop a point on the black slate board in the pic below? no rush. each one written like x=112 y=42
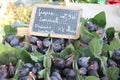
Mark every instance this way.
x=57 y=21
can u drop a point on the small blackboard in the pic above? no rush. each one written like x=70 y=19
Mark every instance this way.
x=58 y=21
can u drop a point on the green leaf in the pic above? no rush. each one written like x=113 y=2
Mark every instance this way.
x=115 y=44
x=86 y=36
x=92 y=78
x=8 y=54
x=111 y=53
x=82 y=51
x=47 y=62
x=95 y=46
x=105 y=47
x=49 y=36
x=36 y=56
x=26 y=46
x=25 y=56
x=99 y=19
x=103 y=61
x=110 y=32
x=41 y=74
x=47 y=77
x=66 y=52
x=75 y=67
x=119 y=34
x=113 y=73
x=18 y=67
x=9 y=30
x=83 y=20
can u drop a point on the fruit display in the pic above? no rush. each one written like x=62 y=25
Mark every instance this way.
x=30 y=71
x=7 y=71
x=94 y=56
x=15 y=13
x=62 y=69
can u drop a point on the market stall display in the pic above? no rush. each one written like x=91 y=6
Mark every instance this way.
x=58 y=58
x=95 y=55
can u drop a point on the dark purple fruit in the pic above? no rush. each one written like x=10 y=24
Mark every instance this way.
x=57 y=75
x=116 y=55
x=53 y=78
x=83 y=62
x=33 y=48
x=25 y=78
x=9 y=38
x=28 y=65
x=111 y=62
x=21 y=44
x=64 y=78
x=33 y=39
x=104 y=78
x=3 y=72
x=92 y=72
x=57 y=47
x=69 y=61
x=83 y=71
x=88 y=24
x=39 y=44
x=105 y=40
x=93 y=65
x=59 y=63
x=65 y=71
x=24 y=72
x=91 y=27
x=44 y=50
x=1 y=78
x=17 y=46
x=32 y=75
x=100 y=32
x=60 y=41
x=70 y=74
x=46 y=42
x=38 y=66
x=118 y=78
x=14 y=42
x=34 y=70
x=69 y=41
x=11 y=70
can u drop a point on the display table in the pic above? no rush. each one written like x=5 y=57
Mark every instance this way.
x=112 y=12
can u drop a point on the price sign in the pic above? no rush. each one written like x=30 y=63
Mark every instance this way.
x=58 y=21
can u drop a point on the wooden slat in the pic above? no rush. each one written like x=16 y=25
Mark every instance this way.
x=21 y=31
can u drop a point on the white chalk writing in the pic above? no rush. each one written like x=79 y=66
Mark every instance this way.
x=49 y=20
x=45 y=12
x=70 y=30
x=42 y=27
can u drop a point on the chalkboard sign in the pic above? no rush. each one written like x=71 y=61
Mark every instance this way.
x=58 y=21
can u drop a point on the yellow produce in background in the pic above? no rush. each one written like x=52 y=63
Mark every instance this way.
x=16 y=13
